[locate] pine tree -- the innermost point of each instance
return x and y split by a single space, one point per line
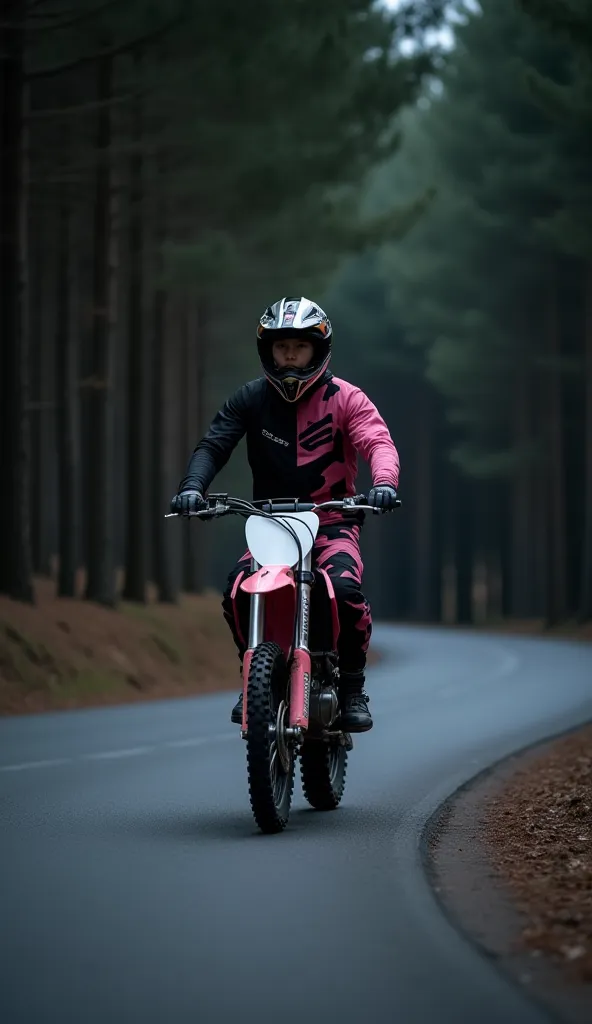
569 108
15 535
258 127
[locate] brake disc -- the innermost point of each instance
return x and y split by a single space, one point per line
280 735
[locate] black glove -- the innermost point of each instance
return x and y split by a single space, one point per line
188 501
383 496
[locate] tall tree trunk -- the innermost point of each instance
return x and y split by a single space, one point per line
41 232
165 396
45 418
15 534
389 540
505 563
164 454
464 535
484 524
585 610
67 396
426 564
136 563
101 584
173 453
556 604
522 562
446 510
193 568
540 537
438 529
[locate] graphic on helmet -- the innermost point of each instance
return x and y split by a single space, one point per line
294 317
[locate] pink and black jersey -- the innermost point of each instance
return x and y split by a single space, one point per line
307 450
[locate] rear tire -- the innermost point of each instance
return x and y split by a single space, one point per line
323 768
271 783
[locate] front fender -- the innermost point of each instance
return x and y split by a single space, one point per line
267 578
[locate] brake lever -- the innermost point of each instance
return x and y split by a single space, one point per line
192 515
361 508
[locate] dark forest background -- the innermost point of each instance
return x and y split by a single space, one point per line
424 172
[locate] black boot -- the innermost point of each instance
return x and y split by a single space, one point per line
237 711
355 716
236 714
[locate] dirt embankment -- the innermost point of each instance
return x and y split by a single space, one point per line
64 653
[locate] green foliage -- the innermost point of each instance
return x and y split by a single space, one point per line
505 145
271 122
260 126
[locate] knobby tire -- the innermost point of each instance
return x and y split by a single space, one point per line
323 768
270 793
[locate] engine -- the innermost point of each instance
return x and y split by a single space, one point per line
324 704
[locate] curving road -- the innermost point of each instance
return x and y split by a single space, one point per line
135 887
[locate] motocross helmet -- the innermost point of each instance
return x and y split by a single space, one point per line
294 316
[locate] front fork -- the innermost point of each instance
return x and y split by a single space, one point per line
256 625
300 664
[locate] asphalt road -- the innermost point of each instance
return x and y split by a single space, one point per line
135 886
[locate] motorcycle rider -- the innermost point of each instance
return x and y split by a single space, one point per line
304 428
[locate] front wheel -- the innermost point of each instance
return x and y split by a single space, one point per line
270 759
323 767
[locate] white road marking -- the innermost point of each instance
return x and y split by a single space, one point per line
106 755
198 741
35 764
114 755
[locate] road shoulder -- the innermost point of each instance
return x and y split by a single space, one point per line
510 859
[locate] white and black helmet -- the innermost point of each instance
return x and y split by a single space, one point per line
294 316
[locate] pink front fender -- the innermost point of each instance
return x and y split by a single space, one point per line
269 577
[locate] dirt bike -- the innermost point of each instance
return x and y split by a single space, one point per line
290 692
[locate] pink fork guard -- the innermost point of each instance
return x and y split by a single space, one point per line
300 689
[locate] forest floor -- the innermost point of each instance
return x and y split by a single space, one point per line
539 833
510 857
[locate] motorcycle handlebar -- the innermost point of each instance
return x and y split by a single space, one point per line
222 504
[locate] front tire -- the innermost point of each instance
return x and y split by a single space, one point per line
323 768
270 761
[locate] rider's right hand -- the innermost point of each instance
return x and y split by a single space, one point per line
188 501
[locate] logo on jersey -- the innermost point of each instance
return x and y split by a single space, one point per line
272 437
318 434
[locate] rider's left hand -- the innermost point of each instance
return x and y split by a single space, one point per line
383 496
